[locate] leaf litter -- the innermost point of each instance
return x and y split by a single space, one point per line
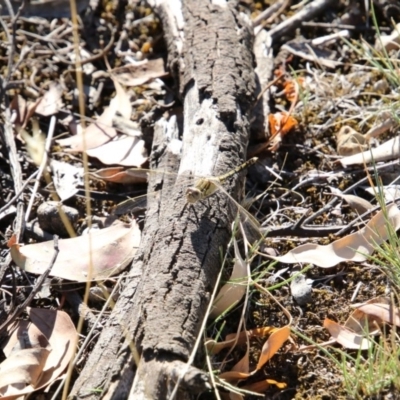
321 103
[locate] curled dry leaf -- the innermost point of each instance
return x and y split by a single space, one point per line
272 345
49 330
355 247
349 141
280 124
345 337
233 291
102 130
389 150
240 371
368 316
112 249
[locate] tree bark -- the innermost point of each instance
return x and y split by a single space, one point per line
161 316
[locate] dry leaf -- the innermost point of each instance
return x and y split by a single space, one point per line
138 74
345 337
273 344
233 291
112 250
66 178
358 204
390 193
51 103
349 141
21 372
279 125
389 42
240 371
102 130
370 315
214 347
35 143
387 151
355 247
262 386
23 110
56 327
126 150
121 175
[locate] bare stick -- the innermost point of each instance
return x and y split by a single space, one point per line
43 165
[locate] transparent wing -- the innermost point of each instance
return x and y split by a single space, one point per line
139 204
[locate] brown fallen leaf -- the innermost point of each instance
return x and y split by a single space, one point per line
23 110
102 131
370 315
20 373
355 247
214 347
125 150
54 331
233 291
357 203
51 103
272 345
345 337
112 250
121 175
240 371
136 75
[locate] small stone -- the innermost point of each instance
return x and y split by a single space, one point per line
49 217
301 289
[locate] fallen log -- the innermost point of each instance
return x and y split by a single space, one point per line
159 318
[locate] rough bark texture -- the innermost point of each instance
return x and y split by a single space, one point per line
161 316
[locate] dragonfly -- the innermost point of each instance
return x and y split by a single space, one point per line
205 187
202 189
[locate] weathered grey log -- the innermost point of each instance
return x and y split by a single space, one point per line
161 317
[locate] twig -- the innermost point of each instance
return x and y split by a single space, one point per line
307 13
16 196
90 59
43 165
20 308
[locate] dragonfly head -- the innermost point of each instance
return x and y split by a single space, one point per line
193 195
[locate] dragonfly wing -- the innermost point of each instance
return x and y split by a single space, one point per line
134 205
250 223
